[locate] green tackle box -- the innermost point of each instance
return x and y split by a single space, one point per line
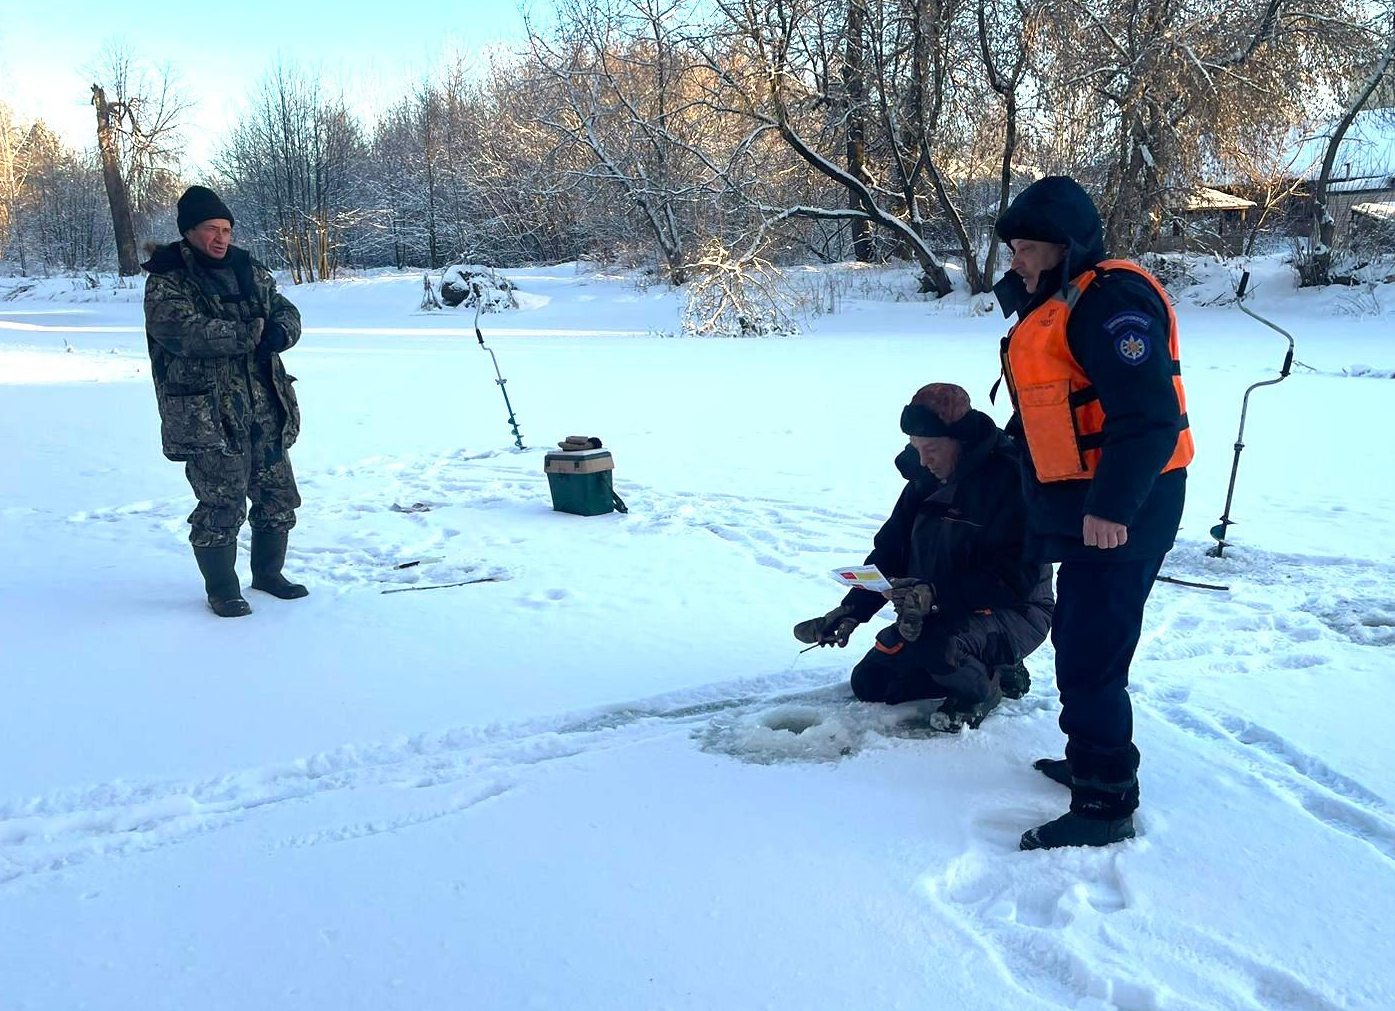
580 481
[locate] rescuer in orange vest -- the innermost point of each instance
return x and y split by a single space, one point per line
1093 369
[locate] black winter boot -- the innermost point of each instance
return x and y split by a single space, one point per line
1101 813
1055 769
219 568
1077 830
268 555
955 713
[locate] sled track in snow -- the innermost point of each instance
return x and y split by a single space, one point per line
805 716
68 827
1280 622
1337 801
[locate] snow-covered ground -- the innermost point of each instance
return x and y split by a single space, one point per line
608 779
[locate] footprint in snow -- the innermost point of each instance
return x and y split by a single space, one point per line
1037 914
546 598
1297 661
1367 620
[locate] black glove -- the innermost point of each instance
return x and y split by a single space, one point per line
913 601
273 340
834 628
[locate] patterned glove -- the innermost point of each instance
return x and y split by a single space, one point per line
913 601
833 629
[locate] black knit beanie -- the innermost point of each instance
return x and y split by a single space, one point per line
200 204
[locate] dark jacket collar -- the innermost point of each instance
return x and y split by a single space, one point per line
180 256
1054 209
985 440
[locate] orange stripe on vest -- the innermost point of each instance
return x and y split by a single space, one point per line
1042 375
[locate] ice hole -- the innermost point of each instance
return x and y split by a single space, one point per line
795 720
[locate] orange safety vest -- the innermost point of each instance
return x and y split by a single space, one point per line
1060 410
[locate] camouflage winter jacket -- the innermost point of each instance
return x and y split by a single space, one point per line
201 351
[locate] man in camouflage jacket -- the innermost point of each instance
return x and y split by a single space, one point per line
216 327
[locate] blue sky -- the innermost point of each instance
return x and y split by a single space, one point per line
372 48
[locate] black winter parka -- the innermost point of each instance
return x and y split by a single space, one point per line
963 536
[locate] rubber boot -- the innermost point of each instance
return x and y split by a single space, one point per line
219 568
268 555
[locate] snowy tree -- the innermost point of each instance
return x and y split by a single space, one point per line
109 114
140 115
1157 77
61 213
14 170
619 68
778 80
738 294
459 171
294 163
402 181
1317 265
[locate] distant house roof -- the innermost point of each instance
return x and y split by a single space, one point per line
1383 211
966 167
1203 199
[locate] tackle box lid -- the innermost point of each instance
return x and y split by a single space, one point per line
583 461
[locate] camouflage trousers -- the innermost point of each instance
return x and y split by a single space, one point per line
224 484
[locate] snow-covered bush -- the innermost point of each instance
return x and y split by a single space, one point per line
468 283
1361 300
738 296
1177 271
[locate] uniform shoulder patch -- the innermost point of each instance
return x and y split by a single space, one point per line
1128 332
1133 347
